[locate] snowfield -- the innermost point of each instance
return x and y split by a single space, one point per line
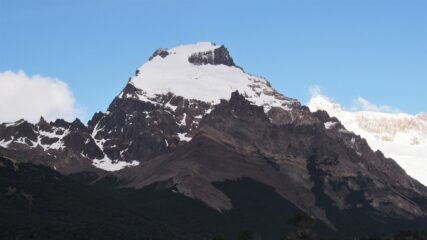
400 136
209 83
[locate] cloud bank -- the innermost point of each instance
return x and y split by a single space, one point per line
359 104
30 97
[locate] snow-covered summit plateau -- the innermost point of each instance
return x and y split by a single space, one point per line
202 71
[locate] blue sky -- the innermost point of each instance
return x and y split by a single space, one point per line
376 49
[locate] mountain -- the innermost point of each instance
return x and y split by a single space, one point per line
400 136
195 143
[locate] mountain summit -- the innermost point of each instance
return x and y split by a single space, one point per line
203 72
218 145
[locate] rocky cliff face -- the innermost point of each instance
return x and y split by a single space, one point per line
215 57
330 174
190 119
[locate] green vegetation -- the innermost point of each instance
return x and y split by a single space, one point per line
400 236
246 235
303 225
218 237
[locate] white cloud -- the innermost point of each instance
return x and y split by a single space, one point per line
361 104
315 90
31 97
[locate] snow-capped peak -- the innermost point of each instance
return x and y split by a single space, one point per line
400 136
185 51
319 102
202 71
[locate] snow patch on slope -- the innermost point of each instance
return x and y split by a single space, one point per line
55 136
4 143
330 125
184 137
58 133
106 163
109 165
400 136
